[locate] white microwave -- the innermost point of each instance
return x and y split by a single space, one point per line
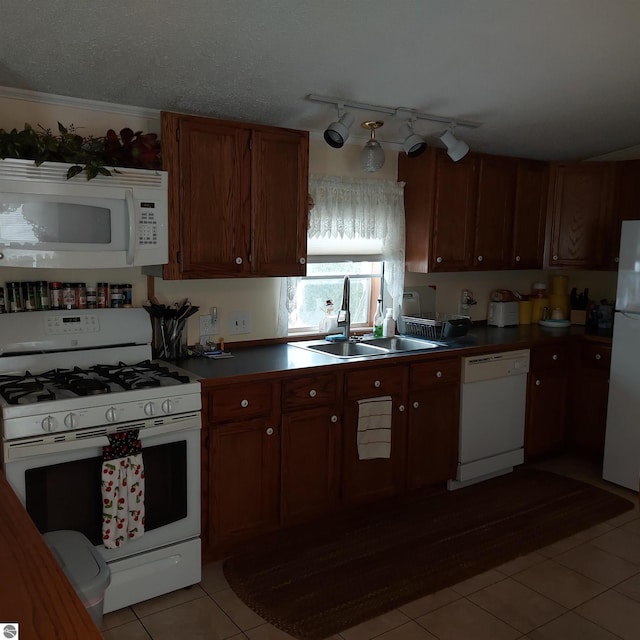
47 221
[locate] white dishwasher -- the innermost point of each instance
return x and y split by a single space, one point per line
492 415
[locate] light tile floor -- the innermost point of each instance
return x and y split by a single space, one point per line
586 587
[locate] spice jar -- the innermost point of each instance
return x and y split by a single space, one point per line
2 307
42 295
55 295
92 298
14 297
539 290
68 295
102 295
81 295
115 295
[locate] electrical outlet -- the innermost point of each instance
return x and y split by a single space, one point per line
240 322
208 327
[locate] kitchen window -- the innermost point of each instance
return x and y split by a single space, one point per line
356 228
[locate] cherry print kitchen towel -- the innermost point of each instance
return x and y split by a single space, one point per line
122 489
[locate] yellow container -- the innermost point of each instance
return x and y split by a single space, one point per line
525 310
537 309
560 285
560 301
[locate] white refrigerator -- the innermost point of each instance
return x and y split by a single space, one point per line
621 463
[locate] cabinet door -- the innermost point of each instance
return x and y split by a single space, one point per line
432 451
454 205
243 480
310 463
532 184
494 213
580 214
208 196
280 166
627 202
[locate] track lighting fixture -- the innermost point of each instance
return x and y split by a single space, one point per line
413 144
372 154
456 149
336 133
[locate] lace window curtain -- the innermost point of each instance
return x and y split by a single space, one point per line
356 208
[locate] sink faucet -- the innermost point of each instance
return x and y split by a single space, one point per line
344 315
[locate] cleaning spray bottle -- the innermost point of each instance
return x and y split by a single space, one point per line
378 320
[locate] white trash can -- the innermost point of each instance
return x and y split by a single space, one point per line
84 566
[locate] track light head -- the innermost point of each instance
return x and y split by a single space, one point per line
336 134
413 144
456 149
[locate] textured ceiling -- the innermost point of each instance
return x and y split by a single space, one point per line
549 79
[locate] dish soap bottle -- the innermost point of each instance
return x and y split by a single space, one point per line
378 320
389 325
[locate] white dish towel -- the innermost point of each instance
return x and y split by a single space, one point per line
374 427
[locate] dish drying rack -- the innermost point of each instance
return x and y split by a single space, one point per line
432 324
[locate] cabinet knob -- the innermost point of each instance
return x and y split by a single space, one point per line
244 403
598 356
480 258
517 258
239 260
438 374
313 393
401 407
377 383
1 256
554 356
269 431
416 405
555 257
616 259
438 259
302 261
537 383
334 419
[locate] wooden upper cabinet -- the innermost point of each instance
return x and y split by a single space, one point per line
532 183
494 213
237 198
440 204
579 221
626 203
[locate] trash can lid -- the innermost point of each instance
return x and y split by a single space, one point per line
83 565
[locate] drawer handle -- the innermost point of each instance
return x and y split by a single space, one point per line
401 407
238 260
377 383
537 383
313 393
334 419
269 431
480 258
517 258
302 261
438 259
598 356
438 374
554 356
416 405
244 404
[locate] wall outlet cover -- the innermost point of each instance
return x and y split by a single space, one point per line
207 326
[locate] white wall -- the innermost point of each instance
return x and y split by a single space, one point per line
258 296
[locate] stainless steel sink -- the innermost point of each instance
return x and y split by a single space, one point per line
366 348
401 343
344 349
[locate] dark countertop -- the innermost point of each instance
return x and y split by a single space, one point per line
278 358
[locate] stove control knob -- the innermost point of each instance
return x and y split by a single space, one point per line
150 409
111 414
49 424
71 421
167 406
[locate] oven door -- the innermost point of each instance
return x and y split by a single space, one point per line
60 484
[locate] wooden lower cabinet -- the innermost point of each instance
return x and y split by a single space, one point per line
433 422
547 399
589 398
364 480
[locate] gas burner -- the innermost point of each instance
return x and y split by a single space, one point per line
24 389
142 375
80 382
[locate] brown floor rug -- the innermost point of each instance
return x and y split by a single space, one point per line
315 580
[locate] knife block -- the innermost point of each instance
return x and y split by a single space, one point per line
578 316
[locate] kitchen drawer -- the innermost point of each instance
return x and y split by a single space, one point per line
550 356
310 391
596 356
427 374
240 402
376 381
